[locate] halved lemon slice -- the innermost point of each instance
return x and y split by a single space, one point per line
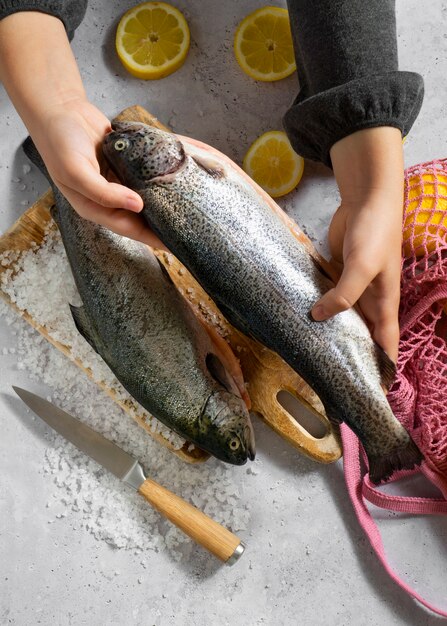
273 164
152 40
263 44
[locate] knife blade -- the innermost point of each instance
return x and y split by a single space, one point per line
204 530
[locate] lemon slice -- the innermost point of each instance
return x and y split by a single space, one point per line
263 44
273 164
152 40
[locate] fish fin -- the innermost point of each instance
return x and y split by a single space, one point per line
217 370
213 168
321 269
83 325
387 368
164 271
332 415
228 359
404 456
234 319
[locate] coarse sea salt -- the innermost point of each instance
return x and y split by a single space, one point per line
89 496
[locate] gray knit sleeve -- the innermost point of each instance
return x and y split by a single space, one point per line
346 56
70 12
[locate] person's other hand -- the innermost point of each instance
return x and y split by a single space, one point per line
366 232
69 138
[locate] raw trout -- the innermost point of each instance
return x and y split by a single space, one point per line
137 321
219 224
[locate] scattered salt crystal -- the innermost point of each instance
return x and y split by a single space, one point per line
22 187
16 180
181 271
26 169
5 351
140 580
24 202
252 470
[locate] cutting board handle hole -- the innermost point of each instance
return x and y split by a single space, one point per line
301 414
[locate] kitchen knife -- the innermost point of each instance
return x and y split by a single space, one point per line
204 530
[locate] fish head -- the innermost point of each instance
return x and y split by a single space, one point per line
226 428
139 153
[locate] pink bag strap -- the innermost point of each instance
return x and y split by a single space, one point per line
355 485
403 504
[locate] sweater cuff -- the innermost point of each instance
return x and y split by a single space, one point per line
317 122
70 12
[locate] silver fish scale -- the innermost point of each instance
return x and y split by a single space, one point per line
266 283
97 257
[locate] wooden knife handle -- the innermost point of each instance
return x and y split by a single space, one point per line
204 530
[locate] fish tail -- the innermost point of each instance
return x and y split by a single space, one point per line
404 456
29 148
33 154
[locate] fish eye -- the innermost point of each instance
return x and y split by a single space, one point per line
121 144
234 443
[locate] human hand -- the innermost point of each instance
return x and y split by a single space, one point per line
68 137
366 232
43 81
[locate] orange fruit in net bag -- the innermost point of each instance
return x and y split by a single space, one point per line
425 219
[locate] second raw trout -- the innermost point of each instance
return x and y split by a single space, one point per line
135 318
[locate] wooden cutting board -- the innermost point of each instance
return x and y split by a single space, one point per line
265 372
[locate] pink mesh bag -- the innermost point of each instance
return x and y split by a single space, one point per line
418 396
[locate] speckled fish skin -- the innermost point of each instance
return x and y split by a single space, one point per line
264 281
145 331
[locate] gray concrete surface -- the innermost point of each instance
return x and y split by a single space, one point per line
307 561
